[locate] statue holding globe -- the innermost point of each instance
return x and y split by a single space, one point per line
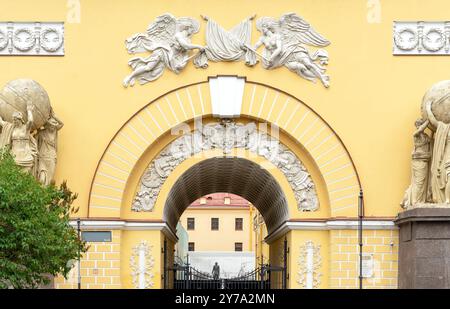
430 179
28 127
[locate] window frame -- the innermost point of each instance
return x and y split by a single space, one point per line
236 220
218 224
188 228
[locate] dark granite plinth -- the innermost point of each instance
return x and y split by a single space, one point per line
424 252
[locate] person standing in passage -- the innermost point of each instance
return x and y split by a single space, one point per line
216 271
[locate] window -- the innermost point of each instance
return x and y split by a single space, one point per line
191 246
97 236
227 201
238 224
191 223
214 224
237 246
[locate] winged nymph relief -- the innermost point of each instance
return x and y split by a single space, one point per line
169 40
284 41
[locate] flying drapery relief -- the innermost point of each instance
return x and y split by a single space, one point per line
430 166
168 40
223 45
226 136
29 128
284 41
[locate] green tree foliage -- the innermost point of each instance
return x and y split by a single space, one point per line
36 239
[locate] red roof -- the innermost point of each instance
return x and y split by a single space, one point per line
218 200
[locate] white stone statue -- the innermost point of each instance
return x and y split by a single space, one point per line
29 128
16 136
168 40
440 164
284 41
47 140
418 190
430 179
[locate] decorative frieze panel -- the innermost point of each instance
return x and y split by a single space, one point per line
226 136
32 38
309 264
141 264
421 38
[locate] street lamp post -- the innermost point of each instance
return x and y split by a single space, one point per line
79 253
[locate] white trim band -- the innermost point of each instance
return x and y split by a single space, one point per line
330 225
124 225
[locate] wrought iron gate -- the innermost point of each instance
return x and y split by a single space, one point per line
183 276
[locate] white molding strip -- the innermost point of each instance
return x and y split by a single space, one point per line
86 225
329 225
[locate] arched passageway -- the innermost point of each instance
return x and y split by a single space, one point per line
241 177
234 175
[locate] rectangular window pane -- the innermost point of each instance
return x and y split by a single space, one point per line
215 224
96 236
238 224
190 223
191 246
237 246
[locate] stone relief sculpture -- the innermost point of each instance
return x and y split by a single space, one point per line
421 38
226 136
223 45
430 179
32 38
29 128
284 40
309 263
141 264
168 40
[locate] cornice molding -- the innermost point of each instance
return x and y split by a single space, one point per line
86 225
327 225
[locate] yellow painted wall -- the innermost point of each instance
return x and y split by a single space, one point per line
100 266
372 102
222 240
383 244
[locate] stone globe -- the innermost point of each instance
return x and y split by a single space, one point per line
439 95
14 97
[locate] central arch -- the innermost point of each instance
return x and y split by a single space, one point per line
140 142
233 175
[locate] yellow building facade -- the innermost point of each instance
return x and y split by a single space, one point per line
205 238
354 135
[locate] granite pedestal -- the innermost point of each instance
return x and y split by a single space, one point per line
424 248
